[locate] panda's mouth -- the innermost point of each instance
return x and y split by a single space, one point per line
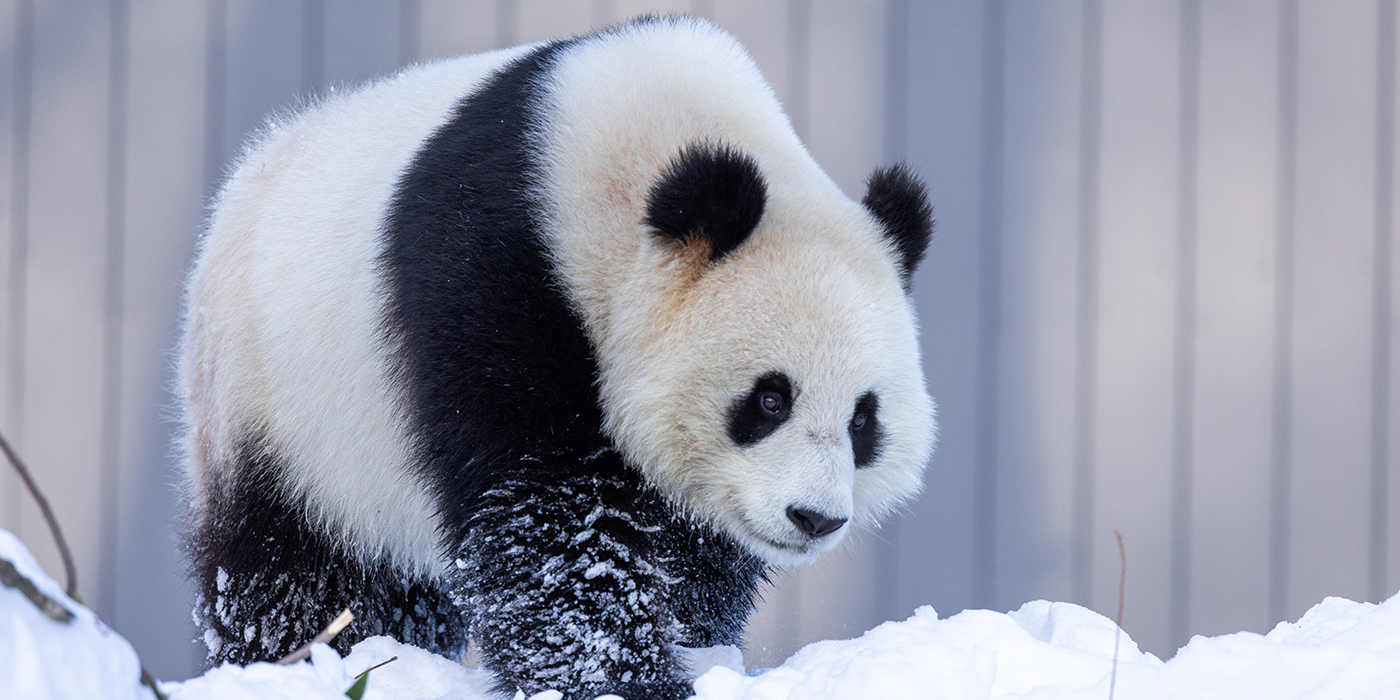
797 550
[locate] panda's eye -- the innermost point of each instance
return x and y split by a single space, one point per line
759 412
865 429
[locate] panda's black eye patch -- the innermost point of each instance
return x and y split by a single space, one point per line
757 414
866 433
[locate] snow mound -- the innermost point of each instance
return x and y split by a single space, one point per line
45 658
1340 649
1044 651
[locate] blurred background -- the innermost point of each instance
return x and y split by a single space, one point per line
1159 300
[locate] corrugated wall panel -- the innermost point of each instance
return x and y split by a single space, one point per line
13 181
1332 325
1137 272
1034 521
1134 202
64 282
1234 331
945 49
165 171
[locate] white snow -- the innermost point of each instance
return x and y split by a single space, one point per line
1044 651
41 658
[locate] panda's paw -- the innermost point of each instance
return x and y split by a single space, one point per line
563 591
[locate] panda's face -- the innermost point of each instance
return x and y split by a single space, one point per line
797 406
769 382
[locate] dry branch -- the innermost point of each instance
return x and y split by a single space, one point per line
326 635
70 572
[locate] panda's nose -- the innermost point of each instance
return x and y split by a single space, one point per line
814 523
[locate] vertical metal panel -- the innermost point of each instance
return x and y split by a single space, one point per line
113 288
622 10
1285 252
313 46
1039 259
363 40
1084 452
1184 342
551 19
1332 332
1136 302
1378 555
797 101
761 27
1392 524
166 128
263 69
451 28
63 324
1234 317
410 31
945 49
15 70
985 434
215 93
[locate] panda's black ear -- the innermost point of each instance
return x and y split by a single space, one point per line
710 193
899 200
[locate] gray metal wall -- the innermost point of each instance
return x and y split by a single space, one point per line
1159 299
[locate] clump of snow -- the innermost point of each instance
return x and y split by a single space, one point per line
42 658
1044 651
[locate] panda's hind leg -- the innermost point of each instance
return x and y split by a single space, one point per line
268 582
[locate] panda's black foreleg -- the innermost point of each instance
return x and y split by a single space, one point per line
564 589
717 583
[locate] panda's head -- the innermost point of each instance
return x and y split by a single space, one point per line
761 363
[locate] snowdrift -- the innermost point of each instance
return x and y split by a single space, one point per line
1060 651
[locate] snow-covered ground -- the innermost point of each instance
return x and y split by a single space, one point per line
1339 649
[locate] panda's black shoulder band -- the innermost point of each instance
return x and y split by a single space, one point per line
709 193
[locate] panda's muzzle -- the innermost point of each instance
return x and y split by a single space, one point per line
814 523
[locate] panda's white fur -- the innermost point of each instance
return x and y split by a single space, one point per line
285 322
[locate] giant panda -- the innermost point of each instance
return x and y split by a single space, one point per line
554 350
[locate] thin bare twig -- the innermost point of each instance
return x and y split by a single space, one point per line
326 635
385 662
70 572
150 682
1118 630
